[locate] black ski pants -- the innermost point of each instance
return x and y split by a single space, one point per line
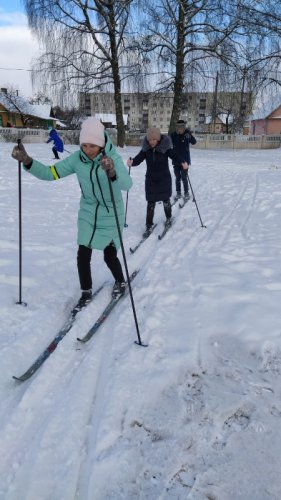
181 175
84 255
56 155
150 211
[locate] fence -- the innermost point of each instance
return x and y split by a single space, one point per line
204 141
30 135
227 141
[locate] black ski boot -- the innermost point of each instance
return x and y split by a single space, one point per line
148 230
118 289
84 300
168 222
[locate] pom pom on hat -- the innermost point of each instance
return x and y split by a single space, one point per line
92 132
153 133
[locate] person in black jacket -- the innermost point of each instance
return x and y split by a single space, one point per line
156 150
181 139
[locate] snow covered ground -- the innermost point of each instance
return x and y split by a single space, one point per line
197 414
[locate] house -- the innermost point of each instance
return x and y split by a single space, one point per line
15 111
220 125
266 121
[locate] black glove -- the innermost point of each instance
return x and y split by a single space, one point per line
108 165
19 153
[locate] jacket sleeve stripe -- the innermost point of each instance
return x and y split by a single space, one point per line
54 172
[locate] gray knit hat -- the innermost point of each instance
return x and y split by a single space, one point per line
153 133
181 124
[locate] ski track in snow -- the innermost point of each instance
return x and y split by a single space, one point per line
179 419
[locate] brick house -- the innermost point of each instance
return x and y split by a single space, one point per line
267 123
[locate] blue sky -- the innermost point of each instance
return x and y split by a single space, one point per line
18 47
12 5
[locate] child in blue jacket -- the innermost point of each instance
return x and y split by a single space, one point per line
58 143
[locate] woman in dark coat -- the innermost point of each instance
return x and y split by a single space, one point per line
156 150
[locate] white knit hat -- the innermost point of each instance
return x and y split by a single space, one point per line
92 132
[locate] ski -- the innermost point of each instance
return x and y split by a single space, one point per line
104 315
175 200
166 228
185 200
145 235
52 346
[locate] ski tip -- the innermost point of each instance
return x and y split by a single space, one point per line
82 339
19 379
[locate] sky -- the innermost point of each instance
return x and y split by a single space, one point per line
194 415
18 47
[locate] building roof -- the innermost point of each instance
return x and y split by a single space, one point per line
264 109
110 118
18 104
223 117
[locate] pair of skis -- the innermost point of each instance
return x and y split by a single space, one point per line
67 327
167 226
147 233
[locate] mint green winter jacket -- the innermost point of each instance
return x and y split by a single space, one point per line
96 220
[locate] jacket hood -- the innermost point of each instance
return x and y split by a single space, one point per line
162 146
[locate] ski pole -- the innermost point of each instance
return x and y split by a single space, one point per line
139 342
20 234
125 224
194 200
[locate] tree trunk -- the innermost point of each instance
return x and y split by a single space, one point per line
121 135
179 76
116 82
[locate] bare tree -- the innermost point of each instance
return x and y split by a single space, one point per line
189 39
186 36
85 45
15 104
40 98
71 117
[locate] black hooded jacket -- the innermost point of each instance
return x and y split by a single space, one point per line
158 181
181 144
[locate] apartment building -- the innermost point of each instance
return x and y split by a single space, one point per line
154 109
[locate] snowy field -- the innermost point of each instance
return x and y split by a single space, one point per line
197 414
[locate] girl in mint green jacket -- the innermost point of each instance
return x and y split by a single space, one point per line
96 160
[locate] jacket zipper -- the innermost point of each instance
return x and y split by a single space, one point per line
98 203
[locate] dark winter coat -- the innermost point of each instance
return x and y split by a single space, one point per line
58 144
181 144
158 181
